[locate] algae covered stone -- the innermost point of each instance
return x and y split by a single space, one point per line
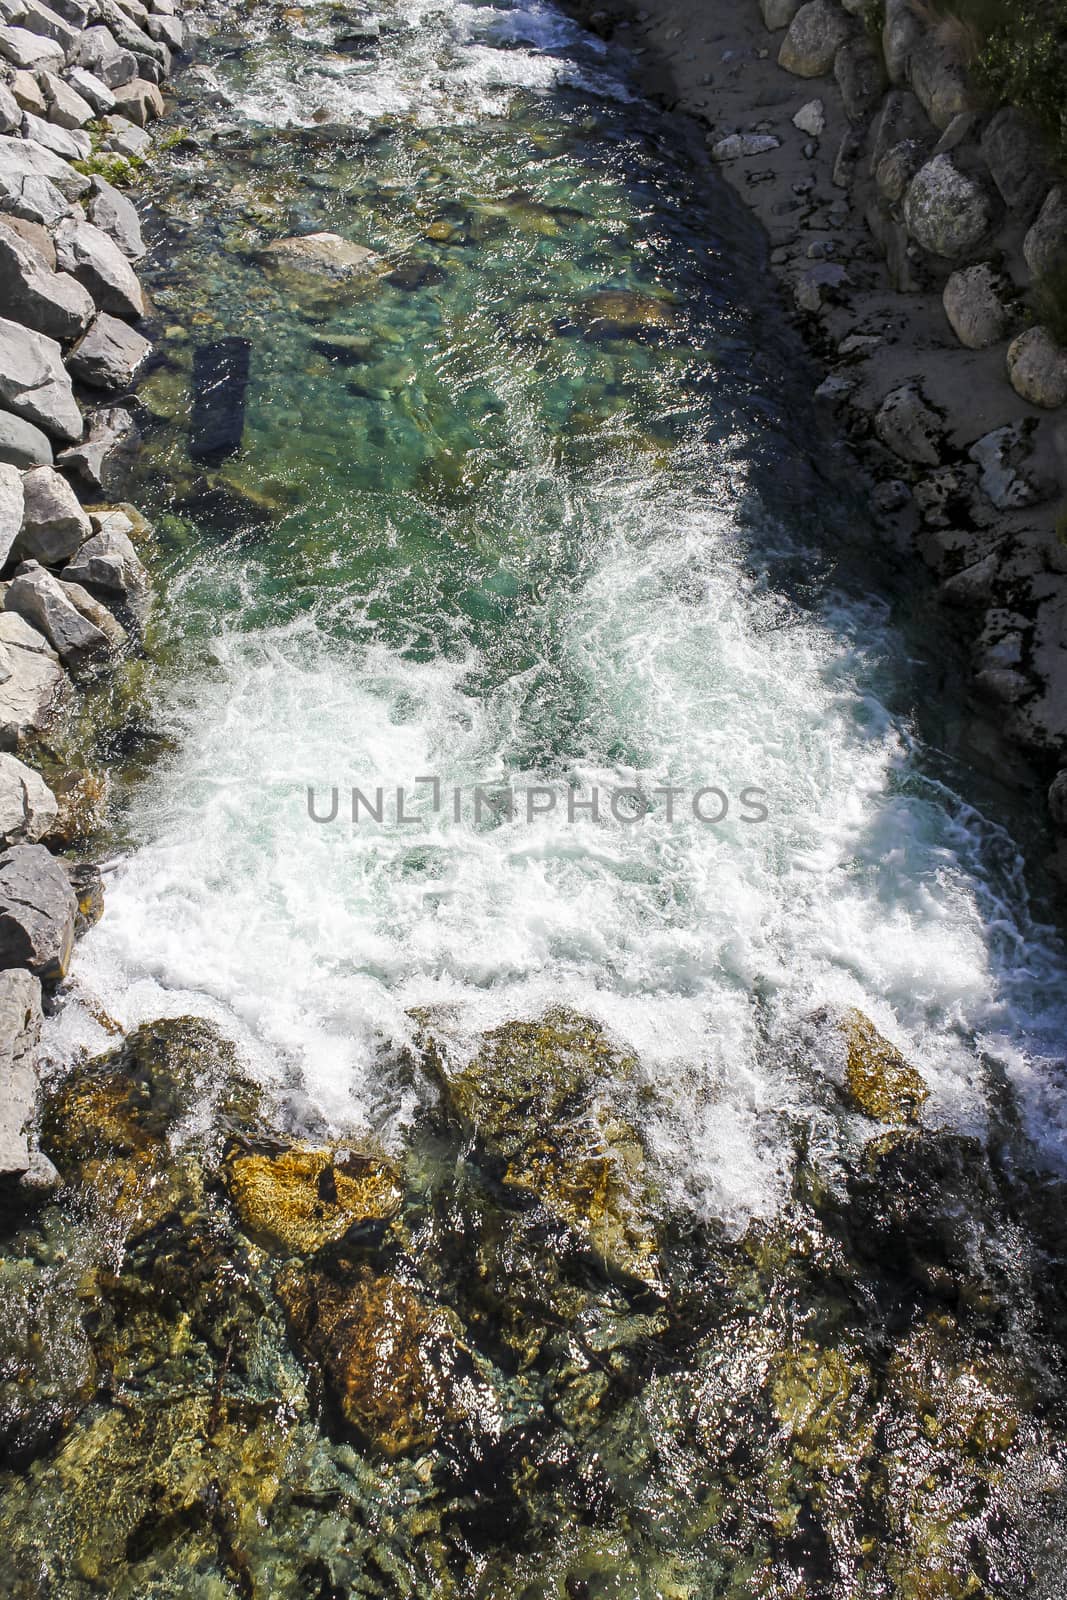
879 1081
538 1095
305 1197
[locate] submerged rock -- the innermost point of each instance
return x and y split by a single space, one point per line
320 254
879 1081
305 1197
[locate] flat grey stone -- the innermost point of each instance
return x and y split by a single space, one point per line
53 303
116 215
109 355
23 158
29 50
20 1031
99 52
71 146
28 808
37 912
34 383
101 461
54 525
33 685
21 444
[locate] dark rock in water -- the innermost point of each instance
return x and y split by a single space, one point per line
347 349
220 383
418 274
103 460
87 882
47 1371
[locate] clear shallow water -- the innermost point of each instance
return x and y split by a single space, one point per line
522 534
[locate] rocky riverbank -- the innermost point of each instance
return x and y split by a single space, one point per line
919 232
79 88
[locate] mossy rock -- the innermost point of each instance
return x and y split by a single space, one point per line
47 1369
537 1096
396 1366
878 1080
306 1197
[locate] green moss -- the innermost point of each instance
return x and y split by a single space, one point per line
122 171
1020 57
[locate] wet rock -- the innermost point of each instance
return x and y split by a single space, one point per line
24 159
397 1368
320 254
1037 367
948 212
220 383
108 566
879 1082
104 459
33 382
29 50
110 355
861 77
37 911
96 261
125 138
624 314
20 1029
32 683
977 307
12 502
99 53
87 881
532 1095
815 35
140 101
60 141
49 302
1045 245
47 1370
92 89
909 427
938 74
21 444
116 215
305 1197
28 808
54 524
35 595
1007 473
737 145
1015 160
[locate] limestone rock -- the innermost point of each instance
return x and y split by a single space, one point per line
49 302
1037 367
737 145
116 215
99 53
96 261
125 138
21 159
1045 245
43 601
65 106
325 254
29 50
28 197
815 35
34 383
1015 160
140 101
37 911
909 427
103 460
20 1030
48 23
28 808
948 212
303 1198
811 118
1007 474
27 93
21 444
110 355
32 683
12 504
54 524
975 301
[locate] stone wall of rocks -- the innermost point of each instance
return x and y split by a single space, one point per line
912 225
79 85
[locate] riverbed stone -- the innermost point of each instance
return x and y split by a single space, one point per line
908 426
21 159
1045 245
977 307
54 525
35 595
98 51
1037 367
30 50
32 682
109 355
21 444
96 261
140 101
12 505
53 303
28 808
303 1198
815 35
116 215
947 211
34 383
321 254
37 911
20 1031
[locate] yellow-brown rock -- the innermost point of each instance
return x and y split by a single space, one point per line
879 1081
306 1197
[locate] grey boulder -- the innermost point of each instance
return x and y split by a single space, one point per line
108 566
815 35
102 460
20 1031
49 302
32 682
1037 367
12 504
1045 245
37 912
42 601
66 107
110 355
947 211
28 808
96 261
94 611
99 52
21 444
1015 160
25 158
92 89
30 50
937 73
124 138
139 100
71 146
975 301
116 215
41 19
10 111
54 525
909 427
34 383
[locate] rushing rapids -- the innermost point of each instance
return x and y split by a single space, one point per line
657 1199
